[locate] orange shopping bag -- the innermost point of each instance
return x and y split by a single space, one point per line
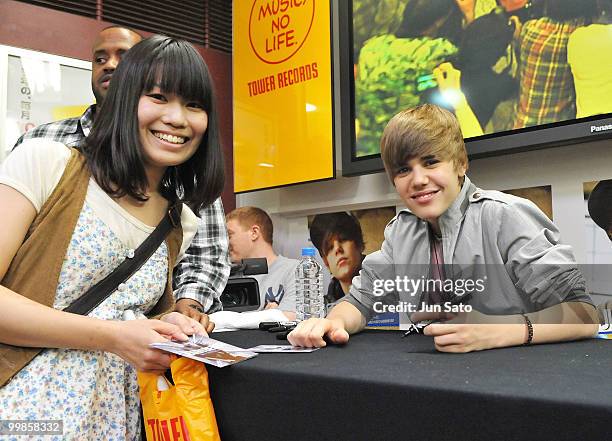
182 412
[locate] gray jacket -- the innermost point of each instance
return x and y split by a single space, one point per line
508 248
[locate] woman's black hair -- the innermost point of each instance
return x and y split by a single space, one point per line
113 148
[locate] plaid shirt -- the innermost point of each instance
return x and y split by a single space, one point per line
202 273
546 92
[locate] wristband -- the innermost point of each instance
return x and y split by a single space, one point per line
529 331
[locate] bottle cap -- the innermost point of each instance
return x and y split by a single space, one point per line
308 251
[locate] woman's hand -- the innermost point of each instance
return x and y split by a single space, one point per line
186 324
130 340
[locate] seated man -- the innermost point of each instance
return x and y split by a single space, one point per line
490 262
339 240
250 235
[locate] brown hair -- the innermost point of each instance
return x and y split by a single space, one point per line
326 228
421 131
249 216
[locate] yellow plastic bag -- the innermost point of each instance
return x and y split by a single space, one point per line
183 411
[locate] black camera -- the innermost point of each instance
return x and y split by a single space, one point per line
242 293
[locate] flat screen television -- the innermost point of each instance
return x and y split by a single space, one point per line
520 75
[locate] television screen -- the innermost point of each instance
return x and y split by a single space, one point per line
517 74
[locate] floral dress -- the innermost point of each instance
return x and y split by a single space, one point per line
93 393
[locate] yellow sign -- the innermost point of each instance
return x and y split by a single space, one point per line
63 112
283 111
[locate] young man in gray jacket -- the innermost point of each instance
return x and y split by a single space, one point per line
476 269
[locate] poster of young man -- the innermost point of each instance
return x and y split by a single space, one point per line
343 239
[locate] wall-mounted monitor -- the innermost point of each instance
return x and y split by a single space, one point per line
519 75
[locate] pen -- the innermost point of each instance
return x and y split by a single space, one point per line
267 325
281 328
417 328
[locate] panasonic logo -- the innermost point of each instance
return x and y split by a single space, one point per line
601 128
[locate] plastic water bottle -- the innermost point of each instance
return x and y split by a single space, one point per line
309 287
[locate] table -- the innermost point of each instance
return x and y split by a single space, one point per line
381 386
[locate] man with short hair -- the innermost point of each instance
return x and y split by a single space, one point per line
199 278
250 235
449 221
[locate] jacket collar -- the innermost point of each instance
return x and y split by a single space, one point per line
456 211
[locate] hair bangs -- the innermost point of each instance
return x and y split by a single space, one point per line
178 69
425 130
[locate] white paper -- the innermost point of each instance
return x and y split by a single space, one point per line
206 350
231 320
279 348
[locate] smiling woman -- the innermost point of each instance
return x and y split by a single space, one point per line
167 84
75 217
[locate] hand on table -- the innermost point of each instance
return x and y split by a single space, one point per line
310 333
474 331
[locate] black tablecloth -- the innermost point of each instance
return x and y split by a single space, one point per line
381 386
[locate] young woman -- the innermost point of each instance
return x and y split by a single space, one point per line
70 219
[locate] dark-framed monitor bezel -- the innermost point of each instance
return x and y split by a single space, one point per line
500 143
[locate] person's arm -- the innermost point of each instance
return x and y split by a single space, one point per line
474 331
544 273
27 323
344 319
31 324
449 82
201 275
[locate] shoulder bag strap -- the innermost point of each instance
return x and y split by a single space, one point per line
101 290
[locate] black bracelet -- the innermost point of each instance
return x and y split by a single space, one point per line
529 330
